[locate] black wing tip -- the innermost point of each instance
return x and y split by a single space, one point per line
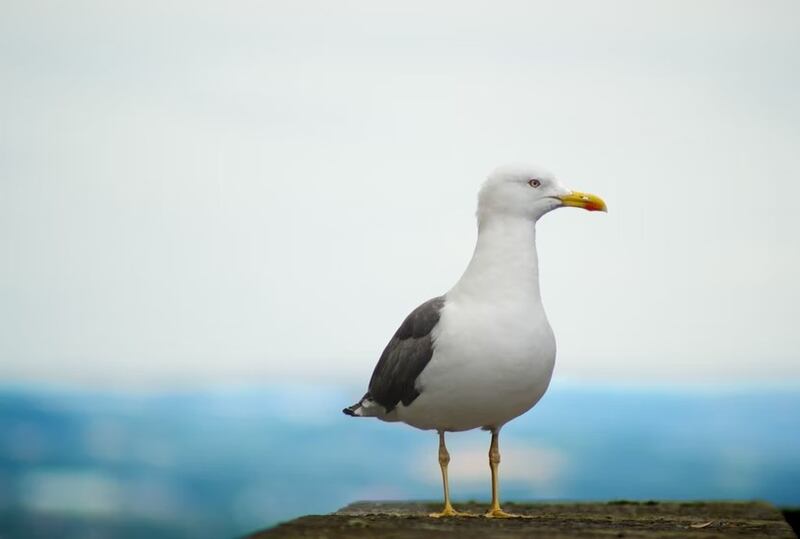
351 410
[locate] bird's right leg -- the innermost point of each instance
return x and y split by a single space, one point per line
494 464
444 460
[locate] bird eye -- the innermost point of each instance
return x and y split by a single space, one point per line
535 183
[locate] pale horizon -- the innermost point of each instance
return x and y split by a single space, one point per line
260 193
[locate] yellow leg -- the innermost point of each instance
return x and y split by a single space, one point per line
444 460
494 464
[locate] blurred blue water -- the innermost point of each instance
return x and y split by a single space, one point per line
221 462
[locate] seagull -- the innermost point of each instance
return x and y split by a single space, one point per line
483 353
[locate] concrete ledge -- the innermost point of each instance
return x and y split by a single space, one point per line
401 520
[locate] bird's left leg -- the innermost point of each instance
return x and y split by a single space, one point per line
444 460
494 465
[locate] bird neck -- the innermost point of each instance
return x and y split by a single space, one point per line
504 265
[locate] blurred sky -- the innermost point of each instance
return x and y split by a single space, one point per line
261 191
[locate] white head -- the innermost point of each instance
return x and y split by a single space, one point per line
529 192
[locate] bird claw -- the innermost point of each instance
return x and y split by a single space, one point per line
450 512
499 513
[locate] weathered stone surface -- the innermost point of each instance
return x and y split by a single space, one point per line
406 520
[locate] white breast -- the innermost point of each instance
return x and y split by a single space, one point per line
494 350
490 365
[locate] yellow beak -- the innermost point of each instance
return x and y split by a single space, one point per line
586 201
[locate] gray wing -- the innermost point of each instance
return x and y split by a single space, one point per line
405 357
